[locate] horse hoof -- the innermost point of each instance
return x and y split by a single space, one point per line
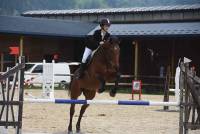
78 132
112 94
70 132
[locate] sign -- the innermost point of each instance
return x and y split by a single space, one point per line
136 87
14 50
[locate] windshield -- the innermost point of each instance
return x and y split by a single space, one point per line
28 66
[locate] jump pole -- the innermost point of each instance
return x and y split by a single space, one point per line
101 102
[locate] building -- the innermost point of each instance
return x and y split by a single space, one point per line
160 33
40 39
152 38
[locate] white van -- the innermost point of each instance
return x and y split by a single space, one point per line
33 74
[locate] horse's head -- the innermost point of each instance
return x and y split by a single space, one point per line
112 49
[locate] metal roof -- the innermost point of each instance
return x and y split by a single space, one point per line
181 29
44 27
62 28
113 10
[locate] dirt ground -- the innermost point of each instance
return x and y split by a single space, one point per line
102 119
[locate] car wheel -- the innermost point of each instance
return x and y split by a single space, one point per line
63 85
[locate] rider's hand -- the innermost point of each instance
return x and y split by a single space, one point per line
101 43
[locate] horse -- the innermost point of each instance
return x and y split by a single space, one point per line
105 65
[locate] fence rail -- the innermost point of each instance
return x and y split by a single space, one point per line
11 97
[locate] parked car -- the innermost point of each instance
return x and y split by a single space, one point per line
62 75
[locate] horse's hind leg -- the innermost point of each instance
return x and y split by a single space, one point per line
75 93
72 110
89 95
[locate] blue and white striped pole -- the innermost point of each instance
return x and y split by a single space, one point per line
102 102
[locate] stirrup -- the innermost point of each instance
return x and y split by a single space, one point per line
101 90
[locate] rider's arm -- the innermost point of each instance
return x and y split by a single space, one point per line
96 37
107 36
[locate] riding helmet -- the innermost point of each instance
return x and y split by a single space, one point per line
105 21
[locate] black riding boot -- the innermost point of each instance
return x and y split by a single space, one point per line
102 85
81 70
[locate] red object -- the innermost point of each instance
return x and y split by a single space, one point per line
14 50
136 87
55 56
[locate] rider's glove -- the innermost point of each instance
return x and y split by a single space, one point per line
101 43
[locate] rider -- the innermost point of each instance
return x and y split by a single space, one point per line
98 38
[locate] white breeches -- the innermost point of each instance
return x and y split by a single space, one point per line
86 53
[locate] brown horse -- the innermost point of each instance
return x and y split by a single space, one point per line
104 64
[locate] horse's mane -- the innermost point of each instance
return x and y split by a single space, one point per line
102 52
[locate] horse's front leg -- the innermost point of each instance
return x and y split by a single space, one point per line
83 108
102 84
72 110
113 91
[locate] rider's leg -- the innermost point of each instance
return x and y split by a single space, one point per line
86 53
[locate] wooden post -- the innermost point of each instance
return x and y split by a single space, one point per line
166 88
15 59
21 94
186 98
172 59
2 61
21 47
135 43
181 114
